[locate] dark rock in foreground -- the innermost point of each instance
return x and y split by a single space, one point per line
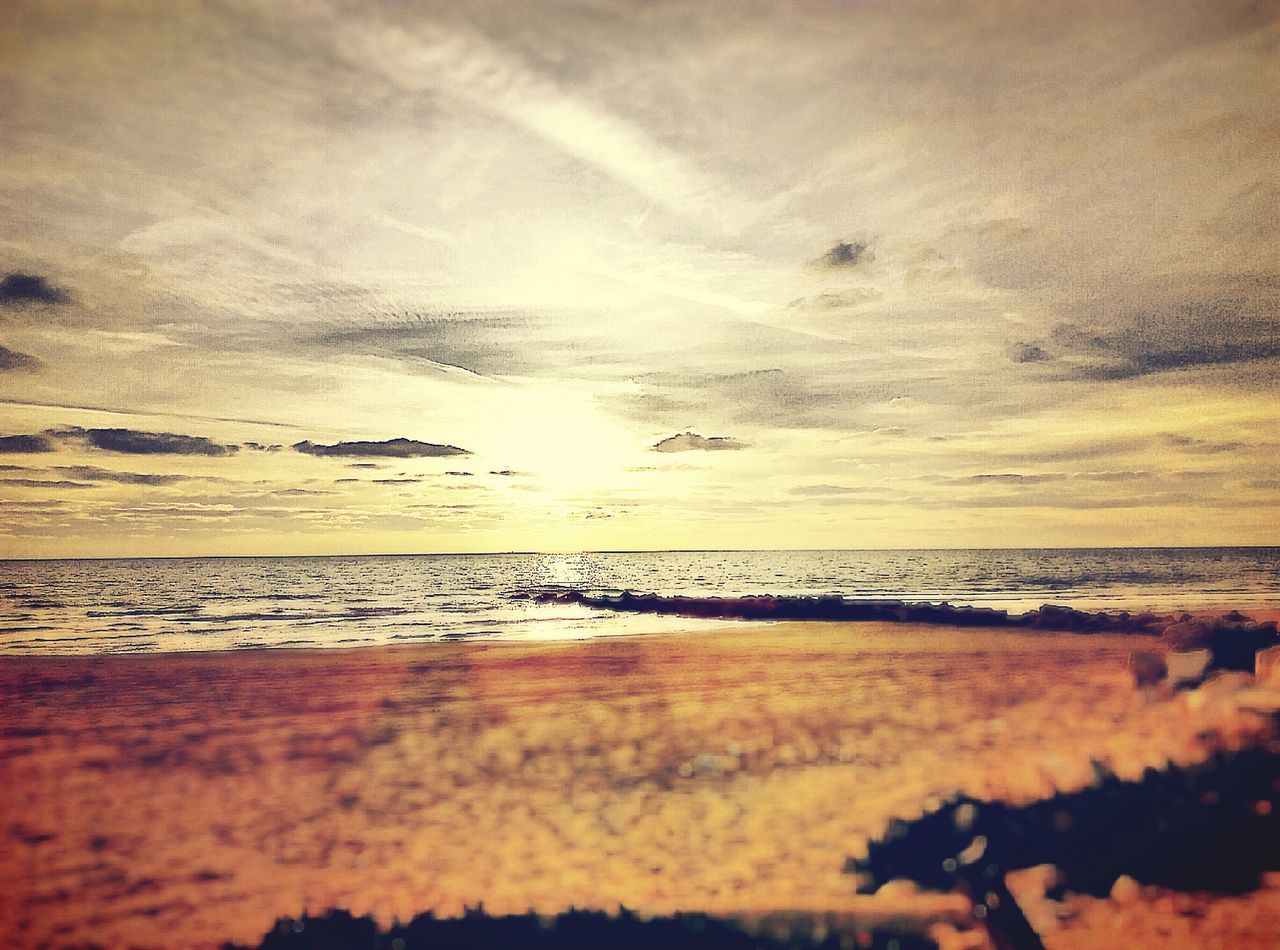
1232 639
1146 667
574 930
1213 827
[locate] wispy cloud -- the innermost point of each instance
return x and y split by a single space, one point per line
91 473
692 442
466 64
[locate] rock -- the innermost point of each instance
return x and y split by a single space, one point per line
1259 700
1226 682
1233 639
1266 666
1187 666
1189 634
1147 667
1126 890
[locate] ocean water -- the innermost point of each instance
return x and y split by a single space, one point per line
165 605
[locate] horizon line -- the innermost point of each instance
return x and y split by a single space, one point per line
526 553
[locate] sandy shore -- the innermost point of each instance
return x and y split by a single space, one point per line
184 799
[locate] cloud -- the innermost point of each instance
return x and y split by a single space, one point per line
135 442
821 396
91 473
474 342
40 483
389 448
19 289
820 490
1200 446
13 360
24 443
842 300
1013 478
468 65
1181 337
845 254
1028 353
692 442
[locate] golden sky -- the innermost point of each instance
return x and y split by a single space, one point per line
636 275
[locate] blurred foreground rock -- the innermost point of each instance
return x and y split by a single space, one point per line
1188 667
1267 667
574 930
1213 827
1147 667
1232 639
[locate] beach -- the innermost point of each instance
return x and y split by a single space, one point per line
192 799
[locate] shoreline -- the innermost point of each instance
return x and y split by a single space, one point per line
697 626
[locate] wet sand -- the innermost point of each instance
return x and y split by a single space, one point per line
190 799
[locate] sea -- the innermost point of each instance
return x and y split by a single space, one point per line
193 604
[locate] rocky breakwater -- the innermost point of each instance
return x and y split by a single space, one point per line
769 607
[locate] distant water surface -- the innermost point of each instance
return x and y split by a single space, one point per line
163 605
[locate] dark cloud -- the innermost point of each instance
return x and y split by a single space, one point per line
397 481
91 473
13 360
40 483
19 289
389 448
24 443
260 447
692 442
135 442
1188 336
1028 353
845 254
509 473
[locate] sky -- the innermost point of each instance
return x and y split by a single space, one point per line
317 276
